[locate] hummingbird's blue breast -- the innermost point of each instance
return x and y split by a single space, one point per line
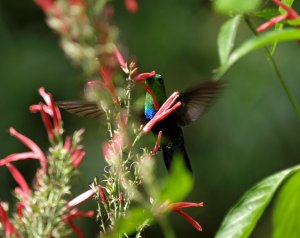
149 112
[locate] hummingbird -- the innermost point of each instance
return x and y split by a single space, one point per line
194 103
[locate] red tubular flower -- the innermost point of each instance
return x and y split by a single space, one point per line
141 78
49 6
166 109
179 205
177 208
74 213
157 144
67 143
50 109
290 14
102 195
131 6
80 198
20 207
8 226
75 228
108 83
35 153
77 157
46 5
271 22
189 219
144 76
25 191
120 58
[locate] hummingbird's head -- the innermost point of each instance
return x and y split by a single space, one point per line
155 91
155 83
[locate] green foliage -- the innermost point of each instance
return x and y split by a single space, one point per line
227 36
242 218
286 215
236 6
257 43
267 13
177 185
129 224
294 22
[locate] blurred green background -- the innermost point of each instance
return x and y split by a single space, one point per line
250 132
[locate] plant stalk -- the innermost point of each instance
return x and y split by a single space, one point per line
283 83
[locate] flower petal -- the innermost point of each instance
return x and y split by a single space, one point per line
31 145
19 178
75 228
47 123
189 219
67 143
80 198
157 144
74 213
102 194
292 14
131 6
271 22
9 228
144 76
17 157
180 205
77 157
119 57
163 112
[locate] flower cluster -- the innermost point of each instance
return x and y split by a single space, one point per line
129 180
52 180
86 30
128 170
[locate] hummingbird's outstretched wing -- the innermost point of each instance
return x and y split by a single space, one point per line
196 100
81 108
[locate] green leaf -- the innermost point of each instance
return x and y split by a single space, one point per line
294 22
267 13
129 224
236 6
258 42
286 215
226 37
178 184
242 218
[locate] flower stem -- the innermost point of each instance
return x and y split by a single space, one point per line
166 227
128 96
283 83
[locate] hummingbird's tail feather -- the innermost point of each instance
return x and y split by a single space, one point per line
170 152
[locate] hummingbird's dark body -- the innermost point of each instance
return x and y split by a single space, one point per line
194 102
172 143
